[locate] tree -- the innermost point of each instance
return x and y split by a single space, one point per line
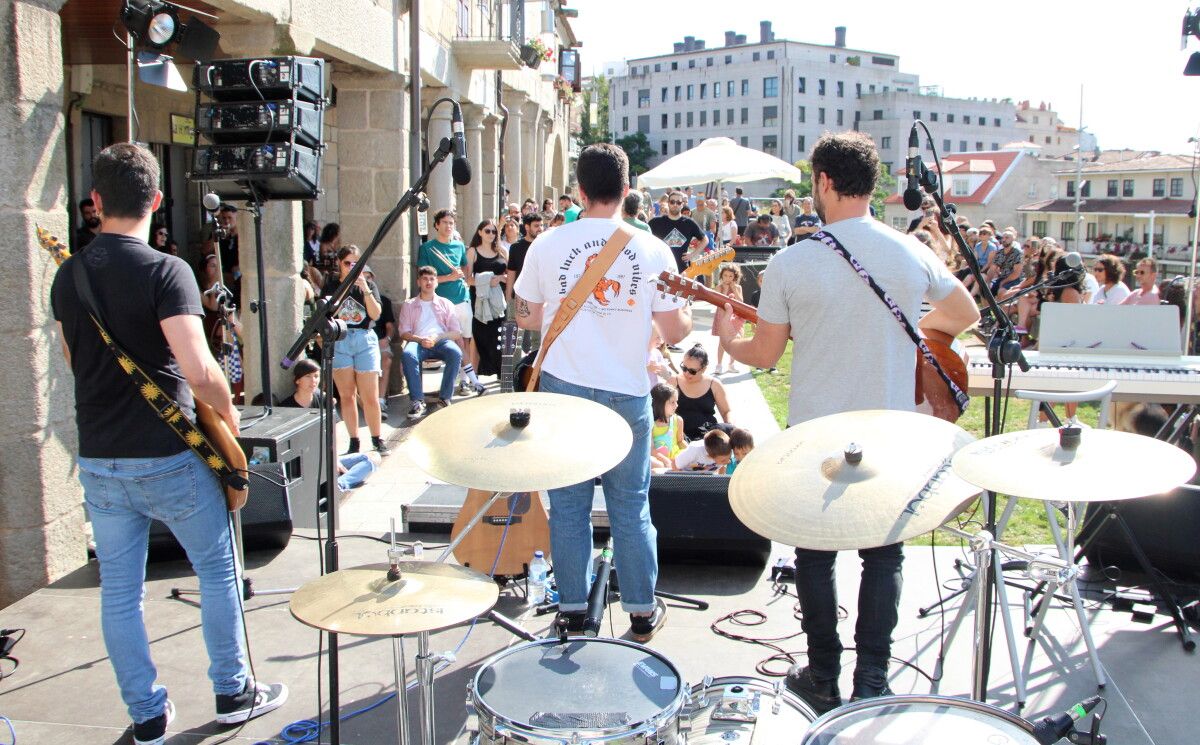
595 93
802 189
639 150
883 188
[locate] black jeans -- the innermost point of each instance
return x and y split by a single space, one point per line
878 604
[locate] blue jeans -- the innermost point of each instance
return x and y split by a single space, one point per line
878 610
122 495
358 467
358 349
414 354
627 496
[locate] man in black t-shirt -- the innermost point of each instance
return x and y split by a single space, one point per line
90 228
677 231
132 465
531 227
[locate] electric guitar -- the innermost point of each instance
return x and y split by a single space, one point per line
210 424
931 390
707 263
523 514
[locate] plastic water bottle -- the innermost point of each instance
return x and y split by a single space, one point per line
418 551
538 570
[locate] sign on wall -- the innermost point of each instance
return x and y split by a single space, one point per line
183 130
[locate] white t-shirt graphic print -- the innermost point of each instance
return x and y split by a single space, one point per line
605 345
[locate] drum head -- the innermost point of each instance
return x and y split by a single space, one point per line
919 720
583 684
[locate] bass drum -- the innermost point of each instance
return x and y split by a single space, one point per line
919 720
745 711
586 690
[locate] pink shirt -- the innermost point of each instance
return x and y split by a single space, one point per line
443 310
1137 297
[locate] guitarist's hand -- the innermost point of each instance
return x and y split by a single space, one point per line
231 416
727 325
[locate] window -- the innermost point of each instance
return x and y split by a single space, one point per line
703 91
1177 187
729 116
770 144
800 143
858 90
1071 188
691 91
729 59
664 146
624 124
995 145
1032 194
678 91
961 187
658 68
871 88
745 87
624 98
962 146
644 98
1039 227
916 115
729 89
745 115
833 59
1127 187
1086 189
689 143
841 89
1112 187
664 94
821 87
643 124
1047 139
716 116
899 223
946 146
675 66
800 85
888 61
802 115
821 115
664 122
704 118
884 142
770 54
1066 231
978 146
877 114
996 122
716 90
754 57
1091 231
770 116
677 147
841 117
1158 187
933 116
771 87
678 120
691 64
689 118
950 118
744 141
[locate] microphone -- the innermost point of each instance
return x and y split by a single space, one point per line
912 164
461 167
1051 729
211 202
1073 271
598 596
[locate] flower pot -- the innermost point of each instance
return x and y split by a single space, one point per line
530 56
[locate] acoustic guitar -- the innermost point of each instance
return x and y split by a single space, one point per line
931 391
522 514
210 424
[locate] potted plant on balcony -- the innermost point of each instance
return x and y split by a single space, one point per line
533 52
564 88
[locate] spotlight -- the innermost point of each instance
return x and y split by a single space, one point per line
156 24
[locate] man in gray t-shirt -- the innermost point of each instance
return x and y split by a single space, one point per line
741 210
849 353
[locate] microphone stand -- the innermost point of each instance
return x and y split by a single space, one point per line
1003 350
325 324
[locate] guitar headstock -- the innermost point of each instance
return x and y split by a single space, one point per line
508 338
680 286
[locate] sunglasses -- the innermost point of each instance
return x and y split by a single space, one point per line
160 232
690 371
348 263
488 231
1139 271
674 201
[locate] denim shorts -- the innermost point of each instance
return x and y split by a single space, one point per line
360 350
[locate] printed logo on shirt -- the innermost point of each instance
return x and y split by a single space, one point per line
675 239
624 278
352 311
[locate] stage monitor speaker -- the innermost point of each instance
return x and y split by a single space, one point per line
290 437
695 523
1165 526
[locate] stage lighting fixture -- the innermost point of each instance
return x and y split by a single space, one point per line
156 24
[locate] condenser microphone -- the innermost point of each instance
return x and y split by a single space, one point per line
912 164
461 167
1051 729
1072 271
211 202
598 596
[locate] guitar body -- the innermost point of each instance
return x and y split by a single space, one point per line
222 439
522 513
932 395
528 531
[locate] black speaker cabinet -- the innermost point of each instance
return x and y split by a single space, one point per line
1165 526
290 437
695 523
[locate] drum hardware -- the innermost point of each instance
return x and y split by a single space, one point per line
918 719
742 709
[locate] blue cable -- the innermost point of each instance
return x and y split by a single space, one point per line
11 730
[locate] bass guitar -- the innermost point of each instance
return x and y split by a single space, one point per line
504 540
215 430
932 394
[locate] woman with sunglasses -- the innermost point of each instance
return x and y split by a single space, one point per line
486 257
1109 271
701 396
160 240
510 233
356 363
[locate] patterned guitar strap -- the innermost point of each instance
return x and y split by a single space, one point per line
166 407
960 397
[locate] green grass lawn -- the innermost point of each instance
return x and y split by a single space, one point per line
1028 523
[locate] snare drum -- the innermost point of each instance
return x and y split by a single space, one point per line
587 690
745 711
919 720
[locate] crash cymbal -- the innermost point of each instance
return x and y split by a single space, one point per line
474 444
364 602
803 488
1106 465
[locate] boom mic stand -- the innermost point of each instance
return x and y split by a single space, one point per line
1003 350
323 322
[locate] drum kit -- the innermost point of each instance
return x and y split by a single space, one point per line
846 481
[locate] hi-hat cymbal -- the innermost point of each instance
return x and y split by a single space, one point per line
802 488
473 444
1106 465
364 602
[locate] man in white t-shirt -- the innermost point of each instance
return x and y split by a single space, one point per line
428 326
601 356
856 356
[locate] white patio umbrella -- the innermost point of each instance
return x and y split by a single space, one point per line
718 159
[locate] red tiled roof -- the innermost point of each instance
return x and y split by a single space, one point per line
995 164
1111 206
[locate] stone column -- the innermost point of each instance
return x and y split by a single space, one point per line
530 187
513 160
540 163
41 519
490 159
472 207
441 189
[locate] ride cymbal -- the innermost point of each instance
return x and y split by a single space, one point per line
474 444
1105 466
364 602
859 479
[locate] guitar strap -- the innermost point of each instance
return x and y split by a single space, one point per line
960 397
578 296
165 406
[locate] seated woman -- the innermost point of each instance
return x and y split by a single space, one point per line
306 376
701 396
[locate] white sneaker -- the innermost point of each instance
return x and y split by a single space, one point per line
720 370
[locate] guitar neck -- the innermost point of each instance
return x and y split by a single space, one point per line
692 290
